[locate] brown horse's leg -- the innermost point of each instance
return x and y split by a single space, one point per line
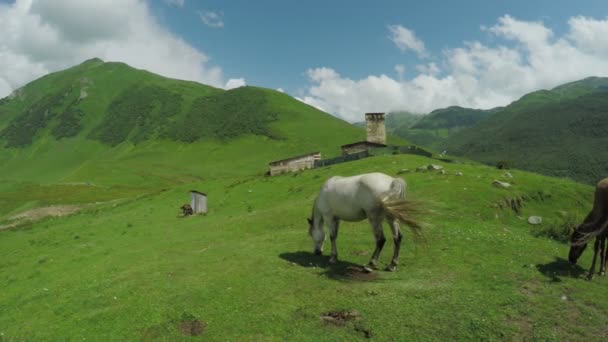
376 223
603 256
333 235
397 236
596 248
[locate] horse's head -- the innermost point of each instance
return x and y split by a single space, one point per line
317 234
578 244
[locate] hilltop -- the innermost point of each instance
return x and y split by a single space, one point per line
560 132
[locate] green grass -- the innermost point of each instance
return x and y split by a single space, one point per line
132 269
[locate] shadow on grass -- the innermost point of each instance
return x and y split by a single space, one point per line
342 270
560 268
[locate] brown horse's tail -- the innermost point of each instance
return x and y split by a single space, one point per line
407 212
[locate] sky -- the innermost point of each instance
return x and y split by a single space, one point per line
346 57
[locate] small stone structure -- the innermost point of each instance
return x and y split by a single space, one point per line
303 162
359 146
376 130
198 202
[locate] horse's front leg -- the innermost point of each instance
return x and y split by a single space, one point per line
596 248
397 236
333 235
380 240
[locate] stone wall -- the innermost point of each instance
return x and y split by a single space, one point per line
294 164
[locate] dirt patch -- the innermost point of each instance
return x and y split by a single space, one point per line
40 213
340 318
193 327
360 253
360 274
37 214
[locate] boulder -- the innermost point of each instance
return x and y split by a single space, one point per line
442 172
458 173
507 175
502 185
433 167
535 220
421 169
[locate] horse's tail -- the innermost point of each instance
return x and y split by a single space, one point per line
406 211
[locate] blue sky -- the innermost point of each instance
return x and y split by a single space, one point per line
273 43
344 57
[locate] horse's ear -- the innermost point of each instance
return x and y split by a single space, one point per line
309 221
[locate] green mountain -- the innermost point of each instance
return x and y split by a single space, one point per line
430 130
560 132
97 126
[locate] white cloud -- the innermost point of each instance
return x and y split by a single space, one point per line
39 37
474 74
176 3
235 83
213 19
405 39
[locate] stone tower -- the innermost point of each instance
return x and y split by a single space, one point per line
376 132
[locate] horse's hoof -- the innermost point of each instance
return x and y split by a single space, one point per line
367 269
390 268
371 266
333 260
603 273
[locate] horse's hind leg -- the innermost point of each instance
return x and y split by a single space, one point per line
397 236
376 223
596 248
333 235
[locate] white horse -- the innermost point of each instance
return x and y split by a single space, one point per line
374 196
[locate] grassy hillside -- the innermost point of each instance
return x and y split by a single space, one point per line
98 127
560 132
132 270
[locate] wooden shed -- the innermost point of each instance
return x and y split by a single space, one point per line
198 201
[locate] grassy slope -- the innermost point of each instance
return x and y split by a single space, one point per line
561 132
87 167
132 270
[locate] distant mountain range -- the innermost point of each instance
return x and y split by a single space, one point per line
559 132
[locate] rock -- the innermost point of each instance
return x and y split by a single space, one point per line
499 184
458 173
535 220
434 167
402 171
442 172
83 94
421 169
507 175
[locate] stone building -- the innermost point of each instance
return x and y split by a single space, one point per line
376 130
376 135
303 162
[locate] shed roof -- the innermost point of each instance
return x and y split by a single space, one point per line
293 158
198 192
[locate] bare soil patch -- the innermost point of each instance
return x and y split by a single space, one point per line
40 213
340 318
193 327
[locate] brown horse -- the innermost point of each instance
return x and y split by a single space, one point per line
594 225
